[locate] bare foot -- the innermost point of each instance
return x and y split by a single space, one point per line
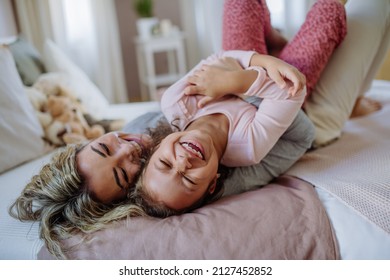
365 106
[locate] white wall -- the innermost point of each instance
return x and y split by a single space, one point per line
202 22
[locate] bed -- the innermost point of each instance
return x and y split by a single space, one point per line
334 203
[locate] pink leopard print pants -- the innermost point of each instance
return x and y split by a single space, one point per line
247 25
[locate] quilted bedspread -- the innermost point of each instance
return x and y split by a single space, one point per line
356 168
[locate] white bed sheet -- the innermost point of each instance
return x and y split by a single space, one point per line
18 240
358 238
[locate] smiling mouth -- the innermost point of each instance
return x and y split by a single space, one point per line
193 149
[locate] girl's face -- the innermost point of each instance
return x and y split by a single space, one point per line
182 169
111 162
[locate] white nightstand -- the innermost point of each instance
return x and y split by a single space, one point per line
145 50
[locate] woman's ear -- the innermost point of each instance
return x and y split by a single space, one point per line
213 183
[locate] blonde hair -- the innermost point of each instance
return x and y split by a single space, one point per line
58 198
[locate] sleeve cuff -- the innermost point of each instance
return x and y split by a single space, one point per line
256 85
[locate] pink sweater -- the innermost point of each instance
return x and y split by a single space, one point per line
252 132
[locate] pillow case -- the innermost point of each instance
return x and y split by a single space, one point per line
89 94
20 131
28 61
283 220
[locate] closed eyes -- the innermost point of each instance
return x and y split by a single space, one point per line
104 152
98 152
118 180
124 174
188 179
105 148
168 165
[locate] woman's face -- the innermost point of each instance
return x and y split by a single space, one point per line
111 162
182 169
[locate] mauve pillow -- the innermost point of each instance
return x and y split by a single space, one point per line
283 220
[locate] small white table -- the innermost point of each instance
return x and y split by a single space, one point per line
145 50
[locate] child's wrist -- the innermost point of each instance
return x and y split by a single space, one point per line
232 81
262 60
245 79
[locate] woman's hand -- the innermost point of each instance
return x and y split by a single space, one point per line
284 74
214 81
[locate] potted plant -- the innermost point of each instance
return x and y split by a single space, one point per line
144 8
146 20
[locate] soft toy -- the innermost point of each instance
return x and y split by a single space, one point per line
55 83
62 115
69 125
39 102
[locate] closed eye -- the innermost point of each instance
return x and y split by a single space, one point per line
165 163
98 152
124 174
188 179
105 148
169 166
117 180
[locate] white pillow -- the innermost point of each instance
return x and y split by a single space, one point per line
20 131
57 61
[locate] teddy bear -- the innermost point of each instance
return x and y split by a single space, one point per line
39 103
55 83
62 115
68 125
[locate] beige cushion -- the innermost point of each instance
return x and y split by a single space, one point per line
20 130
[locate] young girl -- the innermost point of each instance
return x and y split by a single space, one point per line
174 179
230 131
183 171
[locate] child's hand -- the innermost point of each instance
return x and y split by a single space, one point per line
286 75
213 81
228 63
282 73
